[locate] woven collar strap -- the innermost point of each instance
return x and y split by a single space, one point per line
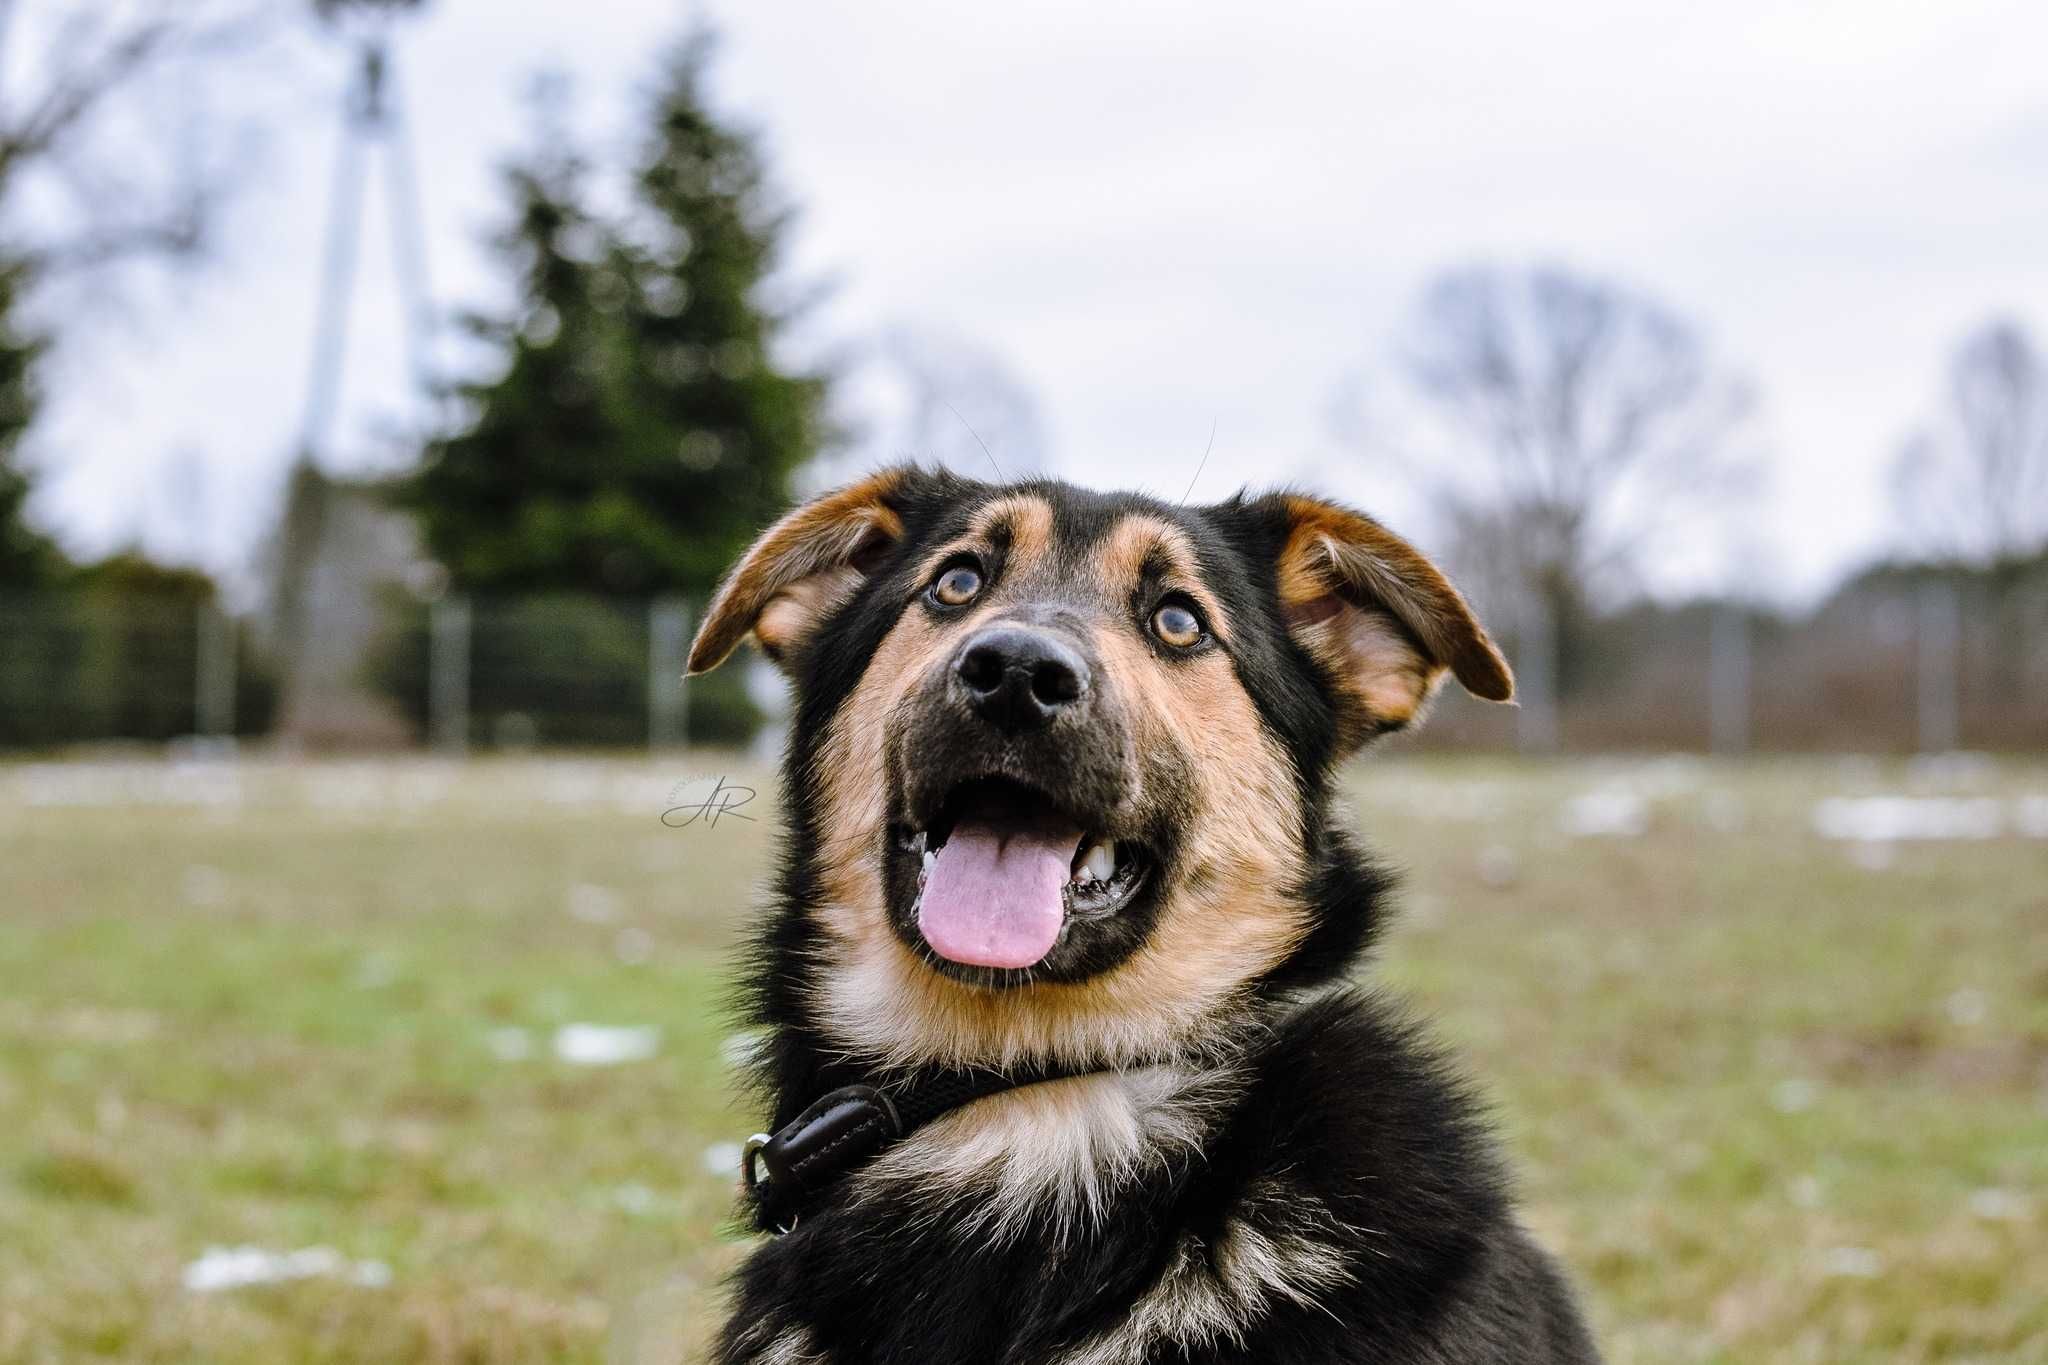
848 1127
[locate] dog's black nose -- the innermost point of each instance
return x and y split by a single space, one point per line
1018 679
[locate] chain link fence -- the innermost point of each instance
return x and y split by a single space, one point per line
1931 665
91 667
1918 666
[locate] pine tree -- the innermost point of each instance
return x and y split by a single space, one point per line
517 500
640 431
27 558
735 426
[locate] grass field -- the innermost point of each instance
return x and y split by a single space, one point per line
1776 1096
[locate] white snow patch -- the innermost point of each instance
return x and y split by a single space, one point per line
1606 812
239 1267
1886 819
181 783
605 1044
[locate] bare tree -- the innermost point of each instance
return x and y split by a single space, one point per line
1972 488
1582 423
99 167
74 206
1973 483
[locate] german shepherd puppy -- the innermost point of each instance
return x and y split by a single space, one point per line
1063 1048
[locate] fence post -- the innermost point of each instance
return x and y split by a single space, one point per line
1940 639
1535 677
668 628
213 686
448 629
1728 679
2033 687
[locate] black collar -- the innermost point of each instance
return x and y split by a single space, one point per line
785 1171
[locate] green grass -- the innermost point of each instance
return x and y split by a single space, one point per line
1772 1103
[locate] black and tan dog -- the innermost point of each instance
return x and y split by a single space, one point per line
1063 1051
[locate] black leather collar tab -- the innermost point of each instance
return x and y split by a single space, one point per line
841 1130
848 1127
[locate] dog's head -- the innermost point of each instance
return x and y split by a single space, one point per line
1058 767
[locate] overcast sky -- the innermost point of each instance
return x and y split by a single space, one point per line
1165 217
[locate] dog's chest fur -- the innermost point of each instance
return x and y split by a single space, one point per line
1051 1159
1041 1222
1319 1194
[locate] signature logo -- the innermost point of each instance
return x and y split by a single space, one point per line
687 807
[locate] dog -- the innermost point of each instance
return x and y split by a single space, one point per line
1061 1042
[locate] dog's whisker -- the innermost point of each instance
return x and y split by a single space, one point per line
1001 478
1200 465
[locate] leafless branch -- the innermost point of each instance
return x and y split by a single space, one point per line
1973 483
1590 421
72 94
68 197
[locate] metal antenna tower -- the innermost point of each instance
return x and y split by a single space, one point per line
370 119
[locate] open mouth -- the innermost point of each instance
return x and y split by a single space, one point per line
1001 871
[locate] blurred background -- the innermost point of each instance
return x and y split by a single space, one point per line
384 385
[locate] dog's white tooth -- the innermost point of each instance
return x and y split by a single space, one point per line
918 843
929 858
1101 861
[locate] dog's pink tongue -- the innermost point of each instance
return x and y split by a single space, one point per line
992 898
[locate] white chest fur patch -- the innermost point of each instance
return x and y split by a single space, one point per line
790 1346
1058 1150
1278 1244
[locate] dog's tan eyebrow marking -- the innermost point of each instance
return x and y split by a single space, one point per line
1024 522
1142 543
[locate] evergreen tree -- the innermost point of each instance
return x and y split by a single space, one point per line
27 558
506 503
737 426
640 431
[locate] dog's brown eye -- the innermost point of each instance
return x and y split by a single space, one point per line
957 586
1175 625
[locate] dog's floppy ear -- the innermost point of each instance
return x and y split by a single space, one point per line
1380 617
800 569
